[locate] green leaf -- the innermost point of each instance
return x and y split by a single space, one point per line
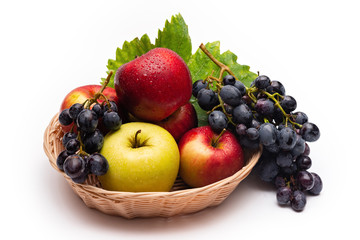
175 36
128 52
201 65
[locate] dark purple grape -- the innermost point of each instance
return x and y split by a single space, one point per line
276 86
242 114
75 109
98 164
287 138
318 185
255 124
230 95
229 80
112 120
239 85
87 121
305 180
288 171
74 166
303 162
207 99
113 107
310 132
267 134
99 110
273 148
268 170
262 82
284 159
245 142
197 86
228 109
300 117
288 103
81 179
265 107
217 121
279 181
283 195
307 150
72 146
299 147
298 200
252 133
64 117
241 129
93 142
67 136
61 159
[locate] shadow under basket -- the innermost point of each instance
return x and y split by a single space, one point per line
180 200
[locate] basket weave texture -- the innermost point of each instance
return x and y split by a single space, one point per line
180 200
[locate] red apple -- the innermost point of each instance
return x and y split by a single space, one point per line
205 158
154 85
181 121
80 94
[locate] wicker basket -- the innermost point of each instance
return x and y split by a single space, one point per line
180 200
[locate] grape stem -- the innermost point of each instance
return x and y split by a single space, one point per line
98 94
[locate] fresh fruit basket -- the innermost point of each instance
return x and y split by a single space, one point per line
180 200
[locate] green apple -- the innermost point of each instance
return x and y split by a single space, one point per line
143 157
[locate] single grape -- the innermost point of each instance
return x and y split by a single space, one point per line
300 117
303 162
310 132
307 150
113 107
276 86
61 159
75 109
99 110
252 133
241 129
305 180
64 117
197 86
81 179
283 195
228 109
112 120
67 136
239 85
262 82
207 99
273 148
264 107
288 171
72 146
98 164
93 142
230 95
248 143
287 138
267 134
318 185
284 159
87 121
255 124
298 200
229 80
279 182
288 103
217 121
242 114
299 147
74 166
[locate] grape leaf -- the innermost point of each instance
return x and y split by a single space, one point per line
201 66
175 36
128 52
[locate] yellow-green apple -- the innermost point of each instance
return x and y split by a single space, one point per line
153 86
142 157
207 157
80 94
181 121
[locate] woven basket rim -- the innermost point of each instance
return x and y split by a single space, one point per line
103 193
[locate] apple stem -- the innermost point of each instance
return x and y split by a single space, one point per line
136 145
214 143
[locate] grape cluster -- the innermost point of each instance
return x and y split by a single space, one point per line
264 115
83 142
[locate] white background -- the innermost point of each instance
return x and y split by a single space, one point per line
48 48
